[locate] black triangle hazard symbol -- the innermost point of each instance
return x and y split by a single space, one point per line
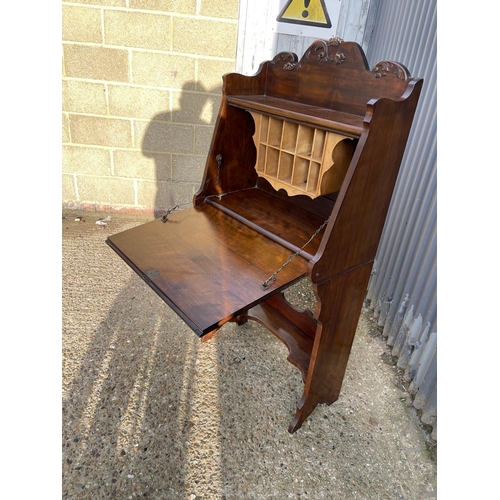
307 12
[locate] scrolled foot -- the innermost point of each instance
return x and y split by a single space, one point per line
304 408
295 424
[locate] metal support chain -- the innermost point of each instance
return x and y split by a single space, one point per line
169 211
219 164
272 278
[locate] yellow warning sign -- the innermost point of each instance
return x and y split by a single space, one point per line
307 12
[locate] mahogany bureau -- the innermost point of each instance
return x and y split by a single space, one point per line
297 184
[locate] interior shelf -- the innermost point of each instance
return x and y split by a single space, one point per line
328 119
276 217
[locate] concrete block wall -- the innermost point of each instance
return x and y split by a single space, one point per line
141 90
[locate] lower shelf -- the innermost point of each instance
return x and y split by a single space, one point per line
297 340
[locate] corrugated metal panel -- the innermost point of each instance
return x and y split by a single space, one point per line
402 290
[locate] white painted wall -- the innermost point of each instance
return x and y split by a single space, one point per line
259 40
256 34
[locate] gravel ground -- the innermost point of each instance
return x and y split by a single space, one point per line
150 411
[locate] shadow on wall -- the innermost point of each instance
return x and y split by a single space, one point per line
178 141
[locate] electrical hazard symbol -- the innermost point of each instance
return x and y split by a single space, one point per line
306 12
